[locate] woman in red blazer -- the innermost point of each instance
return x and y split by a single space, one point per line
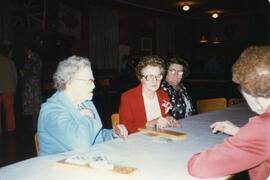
147 105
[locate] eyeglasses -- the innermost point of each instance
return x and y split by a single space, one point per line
174 71
91 81
151 77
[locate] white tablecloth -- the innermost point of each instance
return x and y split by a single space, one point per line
154 157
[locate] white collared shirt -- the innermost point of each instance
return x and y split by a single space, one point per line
152 108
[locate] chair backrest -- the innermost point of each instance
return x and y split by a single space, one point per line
36 143
234 101
115 119
206 105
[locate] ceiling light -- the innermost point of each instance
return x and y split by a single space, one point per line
186 7
203 39
216 41
215 15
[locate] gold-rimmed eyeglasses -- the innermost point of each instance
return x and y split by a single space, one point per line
152 77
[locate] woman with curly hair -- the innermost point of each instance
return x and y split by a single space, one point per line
146 105
248 147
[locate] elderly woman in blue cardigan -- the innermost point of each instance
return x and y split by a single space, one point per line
68 120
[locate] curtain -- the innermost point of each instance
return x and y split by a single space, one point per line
103 37
165 37
5 20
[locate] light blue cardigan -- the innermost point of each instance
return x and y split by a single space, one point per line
62 128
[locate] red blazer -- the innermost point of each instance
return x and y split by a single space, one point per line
248 149
132 112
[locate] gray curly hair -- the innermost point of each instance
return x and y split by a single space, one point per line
67 68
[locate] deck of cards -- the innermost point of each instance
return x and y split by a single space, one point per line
94 161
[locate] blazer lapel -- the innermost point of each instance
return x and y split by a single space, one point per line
161 100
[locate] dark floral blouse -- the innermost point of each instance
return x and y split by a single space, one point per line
181 102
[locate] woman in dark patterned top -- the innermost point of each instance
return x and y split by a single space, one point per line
182 107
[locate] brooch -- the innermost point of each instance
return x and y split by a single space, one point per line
167 105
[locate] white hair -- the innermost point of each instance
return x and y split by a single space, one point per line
66 70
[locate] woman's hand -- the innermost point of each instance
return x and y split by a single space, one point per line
224 127
162 122
159 122
173 122
120 131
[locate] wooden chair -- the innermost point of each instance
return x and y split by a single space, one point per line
206 105
36 143
115 119
234 101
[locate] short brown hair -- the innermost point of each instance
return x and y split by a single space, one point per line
151 61
252 71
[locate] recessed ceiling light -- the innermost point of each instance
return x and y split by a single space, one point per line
186 7
215 15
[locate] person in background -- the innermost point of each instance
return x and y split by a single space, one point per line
18 56
31 85
8 81
146 105
177 69
68 120
248 147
